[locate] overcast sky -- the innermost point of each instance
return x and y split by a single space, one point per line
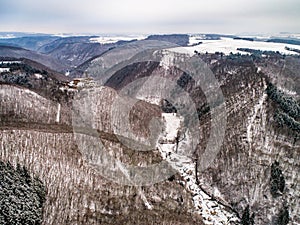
150 16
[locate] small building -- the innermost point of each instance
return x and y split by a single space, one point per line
81 82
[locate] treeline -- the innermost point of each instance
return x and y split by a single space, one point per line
284 119
21 196
289 109
285 41
288 104
260 52
277 181
24 68
239 59
244 38
292 49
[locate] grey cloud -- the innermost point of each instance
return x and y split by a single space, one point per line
151 16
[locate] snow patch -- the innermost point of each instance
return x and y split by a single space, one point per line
4 70
58 113
38 76
10 62
286 91
258 69
143 197
172 122
167 60
150 99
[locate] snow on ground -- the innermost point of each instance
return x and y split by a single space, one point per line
258 69
228 45
286 91
10 62
167 59
38 76
58 113
211 211
251 119
195 39
151 99
7 36
114 39
172 125
4 70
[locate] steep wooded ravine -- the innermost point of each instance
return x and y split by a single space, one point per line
255 173
76 192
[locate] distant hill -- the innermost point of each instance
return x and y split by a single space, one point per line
18 53
30 43
285 41
58 53
34 76
74 54
179 39
59 42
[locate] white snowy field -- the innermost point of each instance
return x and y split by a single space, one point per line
114 39
228 45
